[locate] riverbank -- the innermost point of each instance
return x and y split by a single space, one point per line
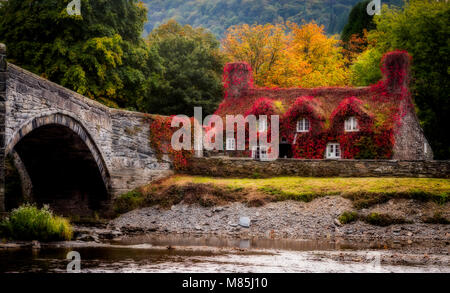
288 236
317 219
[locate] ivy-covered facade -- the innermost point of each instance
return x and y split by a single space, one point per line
375 122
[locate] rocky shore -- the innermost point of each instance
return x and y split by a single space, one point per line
286 220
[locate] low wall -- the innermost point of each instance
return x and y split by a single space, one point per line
246 167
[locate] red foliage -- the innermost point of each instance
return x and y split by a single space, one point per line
395 68
160 138
262 106
379 110
303 107
351 106
236 76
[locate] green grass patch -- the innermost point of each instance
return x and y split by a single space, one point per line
383 220
31 223
437 218
348 217
128 202
364 192
281 195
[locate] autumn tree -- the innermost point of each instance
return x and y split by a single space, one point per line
287 55
310 59
259 45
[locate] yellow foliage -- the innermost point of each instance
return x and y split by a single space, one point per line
288 55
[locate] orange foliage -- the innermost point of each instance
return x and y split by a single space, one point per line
355 46
288 55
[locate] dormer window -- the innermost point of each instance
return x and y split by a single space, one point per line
351 124
303 125
262 125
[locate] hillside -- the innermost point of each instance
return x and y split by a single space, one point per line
218 15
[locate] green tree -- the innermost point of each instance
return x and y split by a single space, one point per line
366 69
422 28
100 53
219 15
358 20
192 73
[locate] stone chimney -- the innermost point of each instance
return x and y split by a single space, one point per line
237 78
395 67
3 77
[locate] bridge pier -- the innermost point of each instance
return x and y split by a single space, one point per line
3 77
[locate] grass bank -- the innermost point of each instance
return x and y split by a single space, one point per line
209 191
31 223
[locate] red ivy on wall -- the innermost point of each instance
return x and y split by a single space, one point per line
160 139
377 125
363 144
235 77
351 106
262 106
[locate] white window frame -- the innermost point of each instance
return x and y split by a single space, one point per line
303 125
333 151
351 124
231 144
254 151
263 153
262 125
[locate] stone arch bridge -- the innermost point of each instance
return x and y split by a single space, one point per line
70 151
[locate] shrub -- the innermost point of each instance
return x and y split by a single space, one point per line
31 223
383 220
348 217
128 202
437 218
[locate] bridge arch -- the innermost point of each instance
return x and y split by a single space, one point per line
56 149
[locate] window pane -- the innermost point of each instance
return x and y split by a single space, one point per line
230 144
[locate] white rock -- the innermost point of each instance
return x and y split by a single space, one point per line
244 222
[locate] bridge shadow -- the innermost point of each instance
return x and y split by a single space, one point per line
62 170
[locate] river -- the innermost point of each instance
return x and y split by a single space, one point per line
178 253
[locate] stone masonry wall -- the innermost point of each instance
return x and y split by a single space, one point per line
3 77
121 138
410 141
246 167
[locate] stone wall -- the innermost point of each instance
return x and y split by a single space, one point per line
410 140
246 167
3 77
119 140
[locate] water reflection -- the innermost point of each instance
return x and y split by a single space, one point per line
178 253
